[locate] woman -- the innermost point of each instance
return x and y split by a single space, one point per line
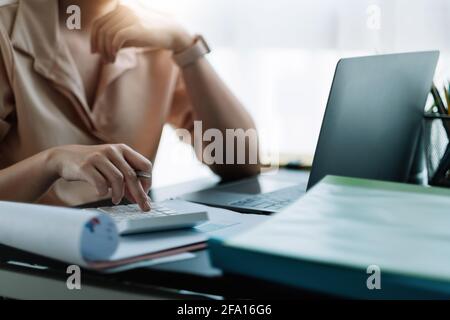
81 111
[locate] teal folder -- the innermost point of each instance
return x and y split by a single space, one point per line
333 237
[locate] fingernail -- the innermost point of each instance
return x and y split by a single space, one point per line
147 206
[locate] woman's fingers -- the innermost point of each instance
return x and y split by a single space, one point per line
140 163
115 179
96 30
115 167
132 182
104 32
105 167
146 184
119 39
136 160
111 48
136 190
107 33
92 176
132 199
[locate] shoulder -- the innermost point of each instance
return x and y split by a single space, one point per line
8 11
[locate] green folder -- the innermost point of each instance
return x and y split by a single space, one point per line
330 240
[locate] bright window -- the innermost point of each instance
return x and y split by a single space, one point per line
279 58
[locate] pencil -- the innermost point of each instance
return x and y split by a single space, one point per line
438 100
441 107
447 99
143 174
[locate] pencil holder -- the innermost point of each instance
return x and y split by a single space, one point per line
437 148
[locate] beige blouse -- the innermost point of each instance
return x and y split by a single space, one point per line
43 104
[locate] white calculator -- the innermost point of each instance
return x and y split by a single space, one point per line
167 215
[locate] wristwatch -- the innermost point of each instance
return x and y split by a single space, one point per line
190 55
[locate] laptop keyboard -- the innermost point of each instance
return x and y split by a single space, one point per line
272 201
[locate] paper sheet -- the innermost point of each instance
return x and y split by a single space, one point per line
68 235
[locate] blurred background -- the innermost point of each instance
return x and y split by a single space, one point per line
279 58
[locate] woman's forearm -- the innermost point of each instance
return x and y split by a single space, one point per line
214 103
217 107
28 180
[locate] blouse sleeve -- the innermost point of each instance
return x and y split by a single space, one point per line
6 101
6 92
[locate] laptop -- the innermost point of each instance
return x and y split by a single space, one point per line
370 129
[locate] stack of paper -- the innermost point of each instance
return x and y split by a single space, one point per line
344 228
64 234
90 238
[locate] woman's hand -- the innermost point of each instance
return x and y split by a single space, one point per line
122 28
105 167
